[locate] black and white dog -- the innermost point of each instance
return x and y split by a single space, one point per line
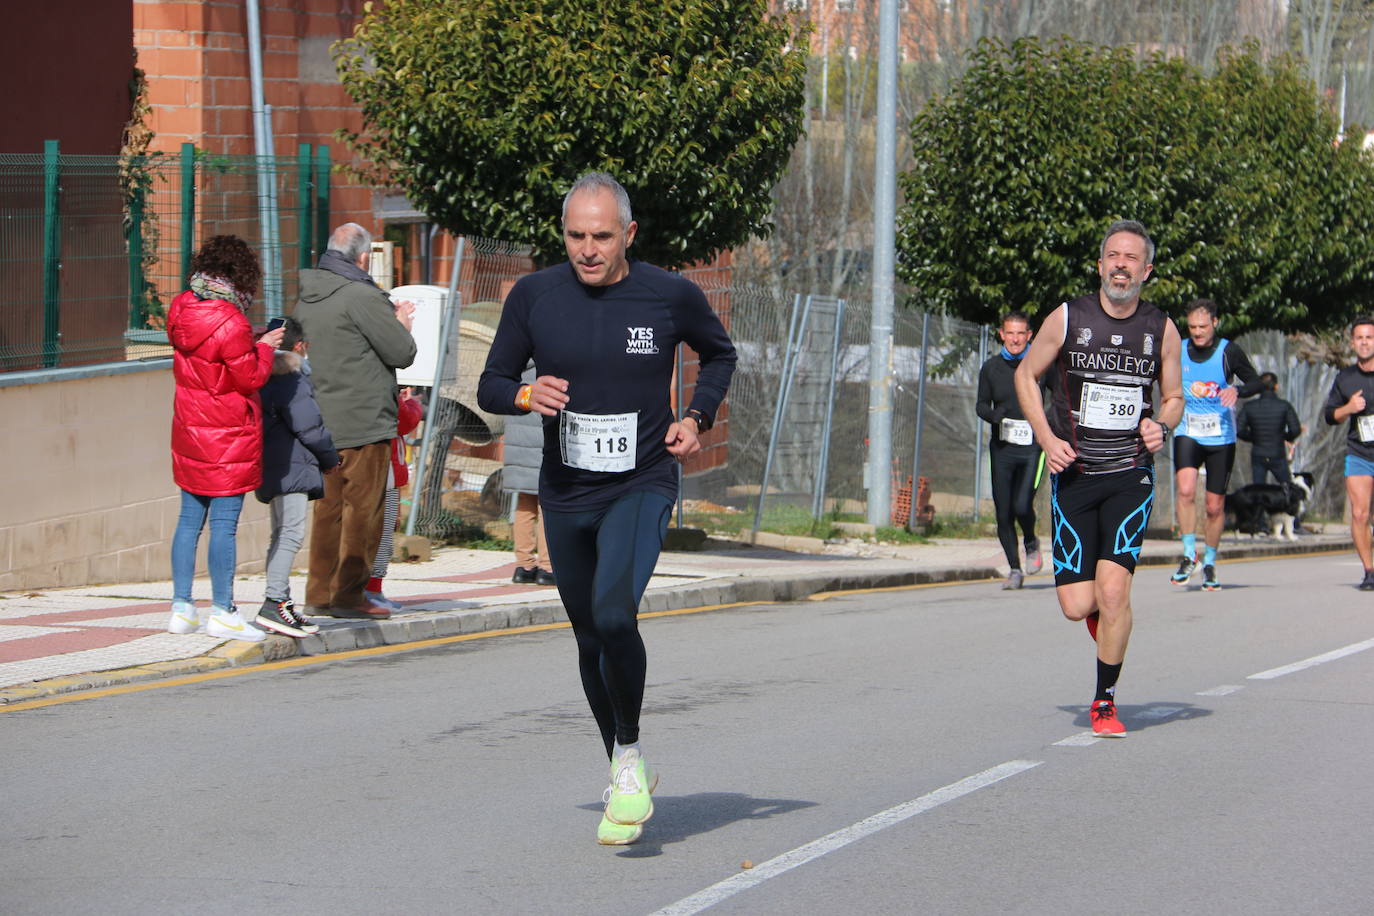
1269 508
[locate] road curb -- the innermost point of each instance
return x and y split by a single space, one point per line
345 636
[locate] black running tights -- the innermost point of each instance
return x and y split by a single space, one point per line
1013 495
603 560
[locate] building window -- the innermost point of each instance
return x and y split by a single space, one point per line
844 6
795 5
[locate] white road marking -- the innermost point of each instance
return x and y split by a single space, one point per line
1222 691
1082 739
1159 712
1313 661
760 873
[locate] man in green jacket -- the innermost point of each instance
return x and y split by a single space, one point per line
358 340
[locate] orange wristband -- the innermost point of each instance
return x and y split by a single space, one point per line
523 399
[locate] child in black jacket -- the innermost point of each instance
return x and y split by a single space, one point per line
297 451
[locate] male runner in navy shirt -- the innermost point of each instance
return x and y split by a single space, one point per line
602 331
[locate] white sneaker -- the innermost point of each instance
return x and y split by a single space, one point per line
381 600
185 619
230 625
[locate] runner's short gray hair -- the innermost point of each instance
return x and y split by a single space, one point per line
599 181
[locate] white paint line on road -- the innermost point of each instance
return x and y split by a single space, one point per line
760 873
1082 739
1313 661
1222 691
1159 713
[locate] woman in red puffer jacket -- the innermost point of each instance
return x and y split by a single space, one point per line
216 425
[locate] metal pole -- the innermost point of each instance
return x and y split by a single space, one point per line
879 467
978 432
304 230
432 408
264 173
920 421
271 242
188 208
52 254
818 504
778 407
680 408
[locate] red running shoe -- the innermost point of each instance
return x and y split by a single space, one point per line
1105 722
1091 620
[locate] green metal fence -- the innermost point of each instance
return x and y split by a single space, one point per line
94 248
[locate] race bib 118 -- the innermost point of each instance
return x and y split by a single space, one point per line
598 442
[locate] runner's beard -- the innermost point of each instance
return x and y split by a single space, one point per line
1122 296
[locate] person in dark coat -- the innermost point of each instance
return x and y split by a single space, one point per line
216 426
1270 425
523 453
297 451
358 339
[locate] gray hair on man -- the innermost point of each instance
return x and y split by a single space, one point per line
350 240
1133 227
599 181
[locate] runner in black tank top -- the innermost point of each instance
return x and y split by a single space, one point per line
1108 350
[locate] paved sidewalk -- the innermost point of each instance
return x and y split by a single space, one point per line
64 640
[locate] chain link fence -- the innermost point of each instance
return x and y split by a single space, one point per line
789 450
94 248
457 453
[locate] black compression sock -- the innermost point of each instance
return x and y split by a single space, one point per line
1106 680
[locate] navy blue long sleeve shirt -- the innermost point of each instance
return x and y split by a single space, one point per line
615 347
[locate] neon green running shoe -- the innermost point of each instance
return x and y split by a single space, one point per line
609 833
632 781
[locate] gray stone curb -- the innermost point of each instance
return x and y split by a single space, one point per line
352 635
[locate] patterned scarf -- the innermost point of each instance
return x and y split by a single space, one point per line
208 287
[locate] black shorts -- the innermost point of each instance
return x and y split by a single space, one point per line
1219 459
1098 517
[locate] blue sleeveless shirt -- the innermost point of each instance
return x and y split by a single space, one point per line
1205 419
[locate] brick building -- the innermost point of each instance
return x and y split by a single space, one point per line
195 57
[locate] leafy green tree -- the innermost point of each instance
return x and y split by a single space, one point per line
1236 175
486 111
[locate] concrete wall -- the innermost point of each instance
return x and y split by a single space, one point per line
87 471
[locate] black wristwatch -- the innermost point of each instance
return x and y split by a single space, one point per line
703 421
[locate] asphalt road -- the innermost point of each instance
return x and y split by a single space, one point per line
912 751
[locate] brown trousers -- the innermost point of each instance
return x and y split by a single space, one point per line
348 527
528 533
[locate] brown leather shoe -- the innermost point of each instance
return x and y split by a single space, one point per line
366 611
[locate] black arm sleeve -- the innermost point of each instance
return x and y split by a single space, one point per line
984 402
1239 365
703 332
510 353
